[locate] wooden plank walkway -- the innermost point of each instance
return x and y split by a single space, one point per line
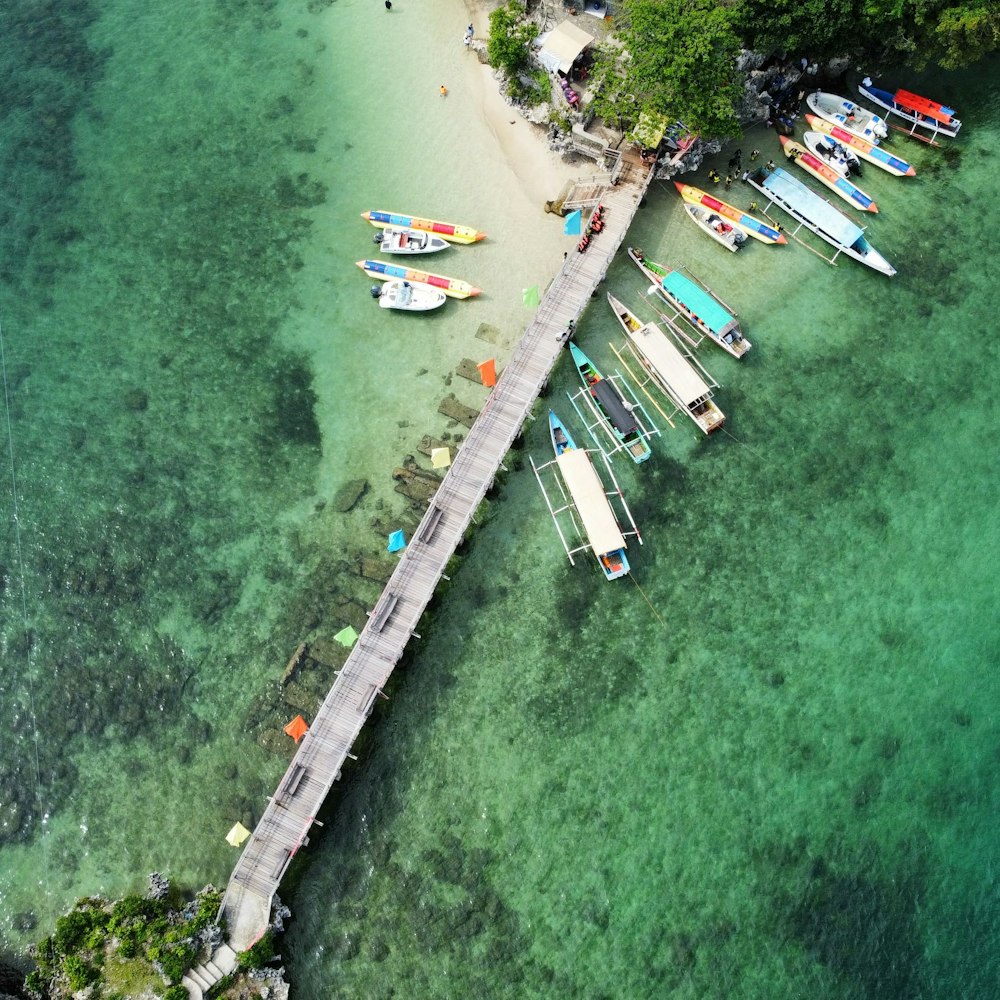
291 811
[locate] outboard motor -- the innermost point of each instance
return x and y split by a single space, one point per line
377 238
376 291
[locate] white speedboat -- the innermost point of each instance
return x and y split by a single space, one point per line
721 230
833 154
393 240
839 111
405 295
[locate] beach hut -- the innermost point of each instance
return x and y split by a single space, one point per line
562 47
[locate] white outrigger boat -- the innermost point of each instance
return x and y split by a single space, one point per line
675 373
584 498
839 158
819 216
938 119
839 111
399 294
624 423
723 232
703 310
405 241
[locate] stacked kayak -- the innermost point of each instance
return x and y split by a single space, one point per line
876 155
750 225
825 174
383 271
447 230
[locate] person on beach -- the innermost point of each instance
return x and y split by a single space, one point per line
388 4
755 154
443 91
729 181
469 32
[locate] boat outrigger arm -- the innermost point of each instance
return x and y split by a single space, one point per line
595 421
568 504
773 200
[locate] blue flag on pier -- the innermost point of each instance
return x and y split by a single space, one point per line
571 227
396 541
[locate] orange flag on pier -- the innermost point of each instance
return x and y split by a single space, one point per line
488 372
297 728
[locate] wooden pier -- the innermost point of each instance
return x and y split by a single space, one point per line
292 810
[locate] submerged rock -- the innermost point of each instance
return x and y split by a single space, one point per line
349 494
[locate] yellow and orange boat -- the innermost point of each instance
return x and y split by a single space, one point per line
750 225
446 230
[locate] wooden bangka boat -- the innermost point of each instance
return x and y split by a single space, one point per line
853 117
749 224
938 119
879 156
406 241
620 419
677 375
447 230
845 161
383 271
584 497
819 216
716 226
826 175
697 305
399 294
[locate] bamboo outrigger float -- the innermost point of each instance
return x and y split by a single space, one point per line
587 503
676 373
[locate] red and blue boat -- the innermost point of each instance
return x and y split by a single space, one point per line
938 119
879 156
748 223
446 230
383 271
825 174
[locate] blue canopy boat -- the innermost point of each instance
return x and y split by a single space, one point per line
819 216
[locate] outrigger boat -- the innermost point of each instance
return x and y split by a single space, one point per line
839 111
405 295
448 230
845 161
938 119
677 374
383 271
584 496
404 241
696 304
718 228
748 223
879 156
819 216
825 174
620 419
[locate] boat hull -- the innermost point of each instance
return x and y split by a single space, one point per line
711 223
382 270
879 156
408 241
749 224
409 297
947 124
850 116
447 230
827 176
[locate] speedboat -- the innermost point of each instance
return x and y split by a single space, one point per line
825 174
751 225
384 271
399 294
716 226
832 153
839 111
404 241
879 156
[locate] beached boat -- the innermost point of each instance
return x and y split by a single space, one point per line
716 226
696 304
405 295
938 119
620 419
879 156
382 270
447 230
845 161
405 241
748 223
839 111
587 503
826 175
818 215
675 373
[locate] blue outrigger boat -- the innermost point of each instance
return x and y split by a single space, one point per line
620 419
819 216
584 497
937 118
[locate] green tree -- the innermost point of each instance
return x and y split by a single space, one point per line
965 34
510 38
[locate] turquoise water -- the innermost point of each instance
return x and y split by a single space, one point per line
769 773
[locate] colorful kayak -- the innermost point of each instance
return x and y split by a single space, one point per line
451 232
825 174
923 113
840 111
879 156
383 271
750 225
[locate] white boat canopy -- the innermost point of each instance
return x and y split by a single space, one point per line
562 46
591 502
672 367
